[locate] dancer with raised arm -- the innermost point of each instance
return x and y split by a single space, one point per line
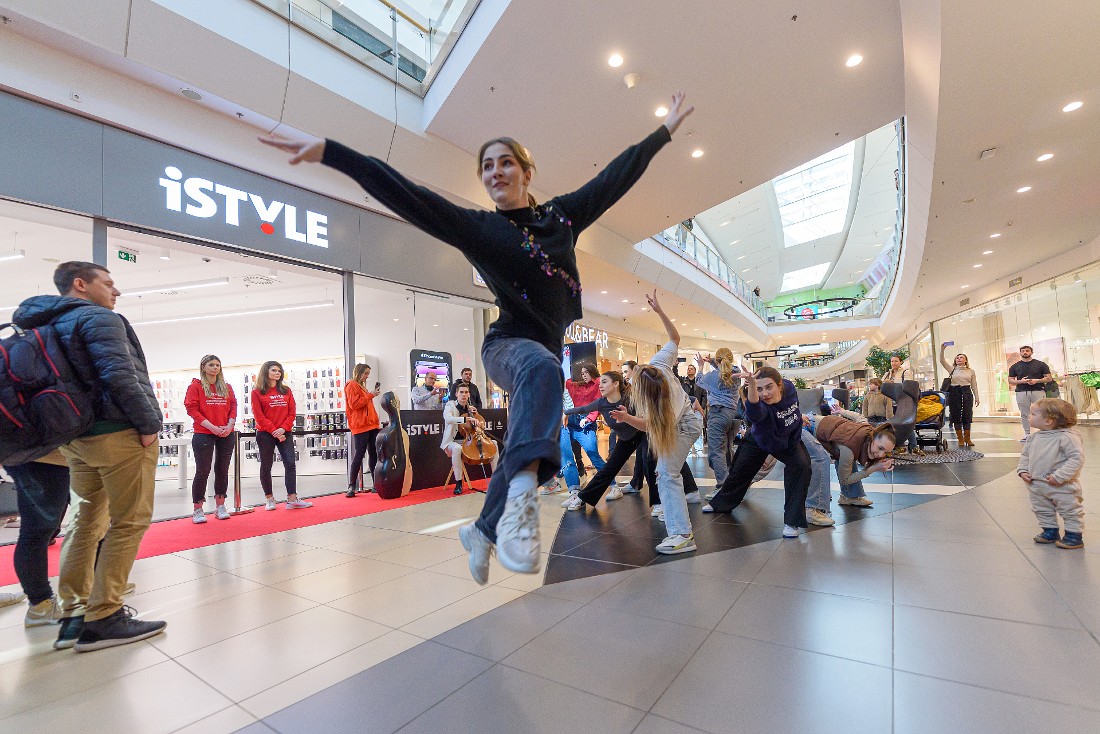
525 252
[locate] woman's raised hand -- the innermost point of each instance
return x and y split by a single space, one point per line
304 149
677 111
653 303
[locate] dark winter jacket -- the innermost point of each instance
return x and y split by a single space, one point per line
104 350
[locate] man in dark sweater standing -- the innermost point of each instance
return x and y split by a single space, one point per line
112 466
466 377
1029 377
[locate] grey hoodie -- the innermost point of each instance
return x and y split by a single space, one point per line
1058 451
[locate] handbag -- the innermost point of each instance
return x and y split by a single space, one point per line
945 386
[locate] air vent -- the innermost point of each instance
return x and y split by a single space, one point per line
258 280
964 302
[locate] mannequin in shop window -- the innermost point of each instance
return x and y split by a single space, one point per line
274 409
213 407
363 424
526 254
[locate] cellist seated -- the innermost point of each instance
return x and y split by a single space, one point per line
460 412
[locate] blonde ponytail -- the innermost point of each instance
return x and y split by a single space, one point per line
724 358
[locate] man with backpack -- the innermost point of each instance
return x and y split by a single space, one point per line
112 464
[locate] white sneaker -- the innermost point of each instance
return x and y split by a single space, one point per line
693 498
710 495
479 548
43 613
574 502
518 545
815 516
567 500
631 489
707 508
614 494
271 505
658 511
221 512
677 544
791 532
199 517
855 501
552 488
298 504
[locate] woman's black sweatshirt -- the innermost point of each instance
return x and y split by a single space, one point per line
605 406
526 256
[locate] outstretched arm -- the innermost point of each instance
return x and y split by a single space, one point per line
670 328
943 359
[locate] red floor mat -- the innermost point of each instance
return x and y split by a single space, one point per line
171 536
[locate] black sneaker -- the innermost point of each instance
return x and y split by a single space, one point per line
118 629
71 627
350 493
458 487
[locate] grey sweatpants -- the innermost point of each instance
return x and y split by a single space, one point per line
1024 399
1047 501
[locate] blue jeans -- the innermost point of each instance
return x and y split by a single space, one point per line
819 496
42 491
568 465
722 425
532 376
589 441
670 482
266 446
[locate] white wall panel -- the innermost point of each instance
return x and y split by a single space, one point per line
102 23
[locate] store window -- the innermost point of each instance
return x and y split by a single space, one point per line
33 241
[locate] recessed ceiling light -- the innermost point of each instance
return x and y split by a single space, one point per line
966 286
661 111
742 257
697 153
988 252
853 60
978 265
626 300
723 224
615 61
644 308
995 235
1045 157
735 242
1023 189
603 292
695 328
1073 106
395 319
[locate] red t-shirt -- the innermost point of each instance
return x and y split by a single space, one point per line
584 394
218 409
273 410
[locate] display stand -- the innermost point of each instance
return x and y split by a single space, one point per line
237 508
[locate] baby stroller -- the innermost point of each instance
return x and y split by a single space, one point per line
930 431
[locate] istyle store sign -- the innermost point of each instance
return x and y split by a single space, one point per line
151 184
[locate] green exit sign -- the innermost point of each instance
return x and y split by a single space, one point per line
127 255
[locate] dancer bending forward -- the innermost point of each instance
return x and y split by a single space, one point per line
525 252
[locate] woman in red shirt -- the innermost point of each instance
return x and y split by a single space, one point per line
362 422
582 429
212 405
274 409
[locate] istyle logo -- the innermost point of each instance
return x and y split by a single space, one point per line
203 205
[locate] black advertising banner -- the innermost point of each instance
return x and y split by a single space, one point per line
429 464
576 354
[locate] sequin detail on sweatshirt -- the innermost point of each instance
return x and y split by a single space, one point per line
535 251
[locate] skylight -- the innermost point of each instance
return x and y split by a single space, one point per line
813 198
804 278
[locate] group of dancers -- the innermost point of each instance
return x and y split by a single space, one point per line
525 252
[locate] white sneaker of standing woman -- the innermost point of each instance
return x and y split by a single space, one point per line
518 545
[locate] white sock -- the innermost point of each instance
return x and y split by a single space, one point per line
523 481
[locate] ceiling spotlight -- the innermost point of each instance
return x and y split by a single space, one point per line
395 319
697 153
645 308
853 60
603 292
195 96
966 286
615 61
995 235
661 111
1023 189
1045 157
626 300
988 252
978 265
1073 106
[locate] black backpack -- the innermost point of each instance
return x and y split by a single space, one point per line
43 403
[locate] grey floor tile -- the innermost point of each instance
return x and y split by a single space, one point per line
987 595
988 559
844 626
622 657
686 598
842 544
737 684
386 697
851 578
1083 600
507 628
656 725
1007 656
1056 564
951 532
507 700
258 727
736 564
930 706
583 590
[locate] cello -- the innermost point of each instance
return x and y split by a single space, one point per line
478 447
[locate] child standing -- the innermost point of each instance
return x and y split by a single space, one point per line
1050 465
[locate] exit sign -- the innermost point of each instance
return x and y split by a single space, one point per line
127 255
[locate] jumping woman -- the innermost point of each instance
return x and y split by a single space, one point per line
526 253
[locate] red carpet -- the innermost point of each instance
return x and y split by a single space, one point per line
171 536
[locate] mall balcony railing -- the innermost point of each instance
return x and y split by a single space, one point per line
838 350
391 38
706 258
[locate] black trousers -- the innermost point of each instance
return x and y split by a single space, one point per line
210 449
266 446
643 463
362 443
748 460
961 401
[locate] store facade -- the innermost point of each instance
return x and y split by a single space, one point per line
1059 318
215 259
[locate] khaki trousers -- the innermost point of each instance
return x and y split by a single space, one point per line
112 477
1067 500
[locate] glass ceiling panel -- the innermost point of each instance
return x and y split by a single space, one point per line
813 198
804 278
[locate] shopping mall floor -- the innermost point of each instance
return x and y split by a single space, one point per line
934 613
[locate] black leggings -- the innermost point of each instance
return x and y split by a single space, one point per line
362 443
624 447
748 460
266 446
961 401
210 449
